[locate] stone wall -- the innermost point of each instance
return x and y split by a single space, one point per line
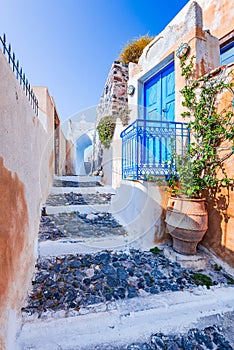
113 102
26 168
114 96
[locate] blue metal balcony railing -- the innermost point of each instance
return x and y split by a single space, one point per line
148 147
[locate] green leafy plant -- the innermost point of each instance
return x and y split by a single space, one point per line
155 250
106 129
201 279
229 279
217 267
202 168
123 114
106 126
134 48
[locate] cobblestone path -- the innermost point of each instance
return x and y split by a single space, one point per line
76 225
76 284
208 338
68 183
78 199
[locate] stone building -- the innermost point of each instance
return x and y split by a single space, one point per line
114 103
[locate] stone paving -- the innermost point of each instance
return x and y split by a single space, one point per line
77 225
195 339
78 199
69 183
74 282
71 285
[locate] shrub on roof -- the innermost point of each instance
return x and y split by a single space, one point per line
132 51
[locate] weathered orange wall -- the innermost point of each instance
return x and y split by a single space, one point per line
14 266
218 16
220 234
26 173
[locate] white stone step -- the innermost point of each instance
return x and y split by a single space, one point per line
83 190
127 321
79 178
83 209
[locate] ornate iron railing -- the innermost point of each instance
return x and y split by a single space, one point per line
148 148
19 74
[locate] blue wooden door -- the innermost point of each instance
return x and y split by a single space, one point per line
159 95
168 94
153 99
159 103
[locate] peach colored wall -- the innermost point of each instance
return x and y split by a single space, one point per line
70 158
220 235
26 172
218 16
62 153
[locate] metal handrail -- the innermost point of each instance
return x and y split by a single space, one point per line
18 71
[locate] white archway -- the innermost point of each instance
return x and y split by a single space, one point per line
80 132
82 143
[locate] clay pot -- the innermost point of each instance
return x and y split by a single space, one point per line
187 223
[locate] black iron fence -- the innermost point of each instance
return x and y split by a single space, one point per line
18 71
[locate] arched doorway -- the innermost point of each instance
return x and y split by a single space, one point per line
82 144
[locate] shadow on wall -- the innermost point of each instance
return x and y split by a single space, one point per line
82 143
219 236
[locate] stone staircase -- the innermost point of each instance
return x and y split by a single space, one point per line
91 290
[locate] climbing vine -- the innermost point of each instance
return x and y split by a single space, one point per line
212 129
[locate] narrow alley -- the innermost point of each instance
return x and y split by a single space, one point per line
92 290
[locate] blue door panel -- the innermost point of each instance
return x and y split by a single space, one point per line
153 98
168 94
159 103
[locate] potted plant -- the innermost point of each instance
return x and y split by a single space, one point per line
200 173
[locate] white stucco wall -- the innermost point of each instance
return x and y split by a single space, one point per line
26 162
140 207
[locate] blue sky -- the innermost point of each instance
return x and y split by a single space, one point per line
69 45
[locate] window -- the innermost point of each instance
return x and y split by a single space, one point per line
227 53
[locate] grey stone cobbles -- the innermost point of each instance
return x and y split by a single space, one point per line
69 183
78 199
195 339
76 281
77 225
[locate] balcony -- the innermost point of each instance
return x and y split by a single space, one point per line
148 147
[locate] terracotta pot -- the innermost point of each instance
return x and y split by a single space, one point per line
187 223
